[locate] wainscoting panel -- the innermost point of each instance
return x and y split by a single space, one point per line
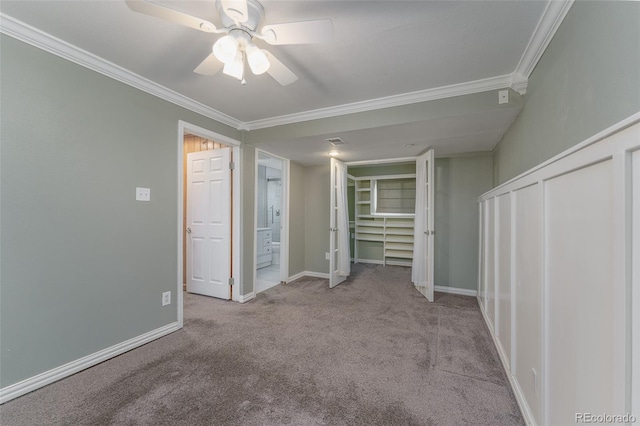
578 266
490 262
559 284
503 274
527 296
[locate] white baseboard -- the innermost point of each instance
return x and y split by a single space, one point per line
517 391
398 263
372 261
455 290
18 389
246 297
308 274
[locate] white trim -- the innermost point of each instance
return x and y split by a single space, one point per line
466 88
38 38
244 298
611 145
236 239
18 389
456 290
635 283
380 161
284 232
550 20
546 28
397 263
308 274
296 276
517 391
383 177
371 261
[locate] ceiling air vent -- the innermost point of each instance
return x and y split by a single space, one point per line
335 141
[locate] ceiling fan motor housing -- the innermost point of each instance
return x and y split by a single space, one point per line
254 19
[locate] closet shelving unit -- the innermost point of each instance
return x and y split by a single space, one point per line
395 233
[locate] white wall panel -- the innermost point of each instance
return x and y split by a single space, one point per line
489 262
579 273
503 273
527 321
560 267
635 285
481 255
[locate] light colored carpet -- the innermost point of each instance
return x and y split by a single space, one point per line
371 351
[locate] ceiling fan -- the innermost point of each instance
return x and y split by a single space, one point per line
242 20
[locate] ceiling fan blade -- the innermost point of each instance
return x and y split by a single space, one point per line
162 12
235 9
209 66
301 32
279 71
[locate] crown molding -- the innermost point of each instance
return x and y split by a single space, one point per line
467 88
550 20
548 24
37 38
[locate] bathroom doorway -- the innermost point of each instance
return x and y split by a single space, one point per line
271 214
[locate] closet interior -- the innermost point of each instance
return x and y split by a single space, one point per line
381 213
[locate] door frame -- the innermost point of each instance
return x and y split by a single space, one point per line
284 233
236 270
334 229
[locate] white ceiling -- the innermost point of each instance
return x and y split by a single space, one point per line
383 51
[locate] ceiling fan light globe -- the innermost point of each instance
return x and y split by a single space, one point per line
235 68
225 49
258 61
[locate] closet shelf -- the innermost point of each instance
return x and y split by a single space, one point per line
369 237
399 254
399 246
392 234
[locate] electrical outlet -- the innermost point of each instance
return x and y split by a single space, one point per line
166 298
143 194
327 256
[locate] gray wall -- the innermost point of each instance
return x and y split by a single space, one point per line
83 263
317 181
296 219
587 80
458 182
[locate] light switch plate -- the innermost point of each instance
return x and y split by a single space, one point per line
503 97
143 194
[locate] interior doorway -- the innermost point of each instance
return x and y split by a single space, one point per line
271 221
204 140
192 143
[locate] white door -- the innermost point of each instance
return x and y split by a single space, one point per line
422 266
338 253
209 223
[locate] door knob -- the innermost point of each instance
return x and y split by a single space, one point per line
188 230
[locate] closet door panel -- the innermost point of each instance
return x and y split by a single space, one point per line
579 247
